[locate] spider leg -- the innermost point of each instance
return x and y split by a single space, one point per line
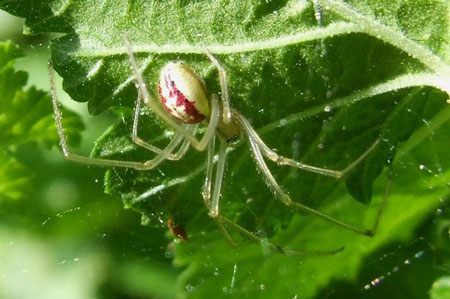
218 180
160 157
280 160
387 188
182 150
136 139
317 12
319 19
272 246
206 191
256 148
226 110
201 144
214 211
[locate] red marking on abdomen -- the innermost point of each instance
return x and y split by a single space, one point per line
192 114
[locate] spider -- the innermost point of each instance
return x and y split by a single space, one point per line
184 104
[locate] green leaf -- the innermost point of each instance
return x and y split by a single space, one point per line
318 93
26 116
15 179
413 197
441 288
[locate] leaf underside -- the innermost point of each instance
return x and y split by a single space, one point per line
317 93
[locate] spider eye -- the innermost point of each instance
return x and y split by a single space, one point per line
183 94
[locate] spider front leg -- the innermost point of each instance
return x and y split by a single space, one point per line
260 149
160 157
226 110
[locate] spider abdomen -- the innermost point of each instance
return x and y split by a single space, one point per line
183 94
